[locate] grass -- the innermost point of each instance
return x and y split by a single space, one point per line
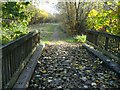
46 31
70 40
64 37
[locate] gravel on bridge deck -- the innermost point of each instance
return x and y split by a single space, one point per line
71 66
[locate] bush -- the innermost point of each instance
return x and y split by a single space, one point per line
81 39
13 32
15 20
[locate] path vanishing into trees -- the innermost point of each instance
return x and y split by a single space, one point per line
60 45
51 33
68 65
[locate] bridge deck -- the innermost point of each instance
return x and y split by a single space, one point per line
71 66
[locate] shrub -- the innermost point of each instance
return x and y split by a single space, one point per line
13 32
81 39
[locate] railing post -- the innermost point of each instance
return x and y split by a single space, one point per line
106 43
96 39
90 37
39 37
0 68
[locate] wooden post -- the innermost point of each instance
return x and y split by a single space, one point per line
0 69
106 43
96 39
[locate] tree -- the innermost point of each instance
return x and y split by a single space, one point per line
102 16
14 20
106 19
74 15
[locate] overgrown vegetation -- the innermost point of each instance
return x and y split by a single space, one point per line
105 17
17 16
14 20
74 17
100 15
46 31
81 38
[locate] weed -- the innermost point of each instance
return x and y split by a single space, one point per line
81 39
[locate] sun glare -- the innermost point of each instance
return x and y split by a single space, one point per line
47 5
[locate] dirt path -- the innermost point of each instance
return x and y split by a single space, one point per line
56 36
51 33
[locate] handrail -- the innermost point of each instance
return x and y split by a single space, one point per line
15 53
105 41
15 43
103 33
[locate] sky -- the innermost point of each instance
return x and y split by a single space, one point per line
47 5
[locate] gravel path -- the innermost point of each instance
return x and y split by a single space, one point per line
70 66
